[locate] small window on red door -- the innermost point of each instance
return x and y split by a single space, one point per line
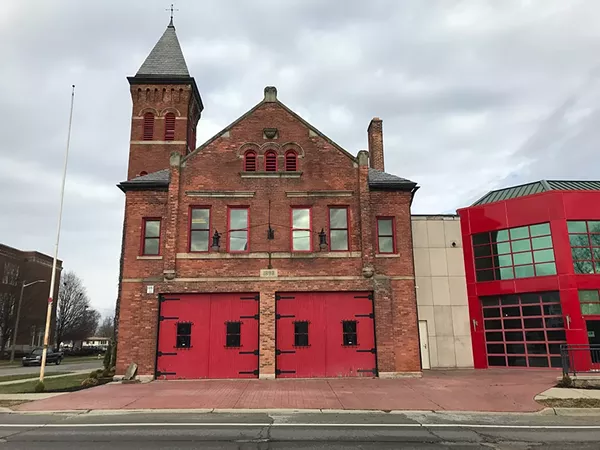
148 126
151 237
184 335
291 161
386 238
338 229
233 331
169 127
271 161
250 161
301 334
349 334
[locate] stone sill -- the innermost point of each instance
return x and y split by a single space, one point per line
265 255
395 255
150 257
320 194
221 194
159 142
270 174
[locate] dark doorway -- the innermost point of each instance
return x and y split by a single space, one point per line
593 331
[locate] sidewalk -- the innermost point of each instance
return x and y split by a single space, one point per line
456 390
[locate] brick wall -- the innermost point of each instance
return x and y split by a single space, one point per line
216 168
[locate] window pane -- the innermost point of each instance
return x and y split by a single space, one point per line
339 240
493 336
238 219
581 254
579 240
510 324
482 250
535 336
485 275
590 308
530 298
517 361
338 218
200 219
522 258
492 325
532 310
152 228
301 240
506 273
301 327
596 254
184 328
496 361
480 263
538 361
583 267
238 241
539 349
491 312
541 229
545 269
183 341
519 233
233 340
513 336
533 323
234 327
589 296
384 227
554 349
481 238
504 260
522 245
541 242
558 335
509 300
151 246
301 218
554 322
576 227
552 310
386 245
593 226
595 239
502 248
489 301
500 236
511 311
495 348
199 241
524 271
515 348
550 297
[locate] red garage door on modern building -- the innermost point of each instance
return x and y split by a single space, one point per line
208 336
325 334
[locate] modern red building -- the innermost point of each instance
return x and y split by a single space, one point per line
532 263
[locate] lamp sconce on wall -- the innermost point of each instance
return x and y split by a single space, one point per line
323 240
216 241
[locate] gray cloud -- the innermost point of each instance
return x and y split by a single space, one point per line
473 94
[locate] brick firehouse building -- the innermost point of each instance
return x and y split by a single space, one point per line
269 251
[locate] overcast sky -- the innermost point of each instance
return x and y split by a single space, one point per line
474 95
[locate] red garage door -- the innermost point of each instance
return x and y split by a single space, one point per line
208 336
325 334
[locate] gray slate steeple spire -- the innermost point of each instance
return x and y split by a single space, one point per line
166 58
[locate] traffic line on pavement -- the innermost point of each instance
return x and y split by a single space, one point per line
300 425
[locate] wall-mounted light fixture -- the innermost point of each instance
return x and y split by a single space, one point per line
216 241
323 240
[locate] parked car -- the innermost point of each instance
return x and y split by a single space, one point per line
35 357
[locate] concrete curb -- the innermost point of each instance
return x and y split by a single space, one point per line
107 412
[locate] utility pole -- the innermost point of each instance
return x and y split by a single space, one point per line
54 262
16 329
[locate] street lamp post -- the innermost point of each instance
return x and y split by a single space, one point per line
15 331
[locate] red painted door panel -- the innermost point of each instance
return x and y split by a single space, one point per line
208 336
325 334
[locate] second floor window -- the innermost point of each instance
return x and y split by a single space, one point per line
148 133
239 233
151 237
301 230
584 237
386 239
199 229
169 127
338 229
271 161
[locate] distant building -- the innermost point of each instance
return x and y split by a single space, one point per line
95 341
18 267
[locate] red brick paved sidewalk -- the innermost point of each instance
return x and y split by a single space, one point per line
460 390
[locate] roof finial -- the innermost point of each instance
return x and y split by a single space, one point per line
171 9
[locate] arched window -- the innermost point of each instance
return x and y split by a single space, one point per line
148 126
271 161
250 161
169 127
291 161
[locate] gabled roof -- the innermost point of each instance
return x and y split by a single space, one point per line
166 58
155 180
384 180
536 187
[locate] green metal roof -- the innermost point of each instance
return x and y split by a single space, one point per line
536 187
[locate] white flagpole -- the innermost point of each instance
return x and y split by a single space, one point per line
54 262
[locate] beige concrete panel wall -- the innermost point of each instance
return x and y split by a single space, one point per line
442 289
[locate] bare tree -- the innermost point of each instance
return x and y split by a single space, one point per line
8 301
106 328
75 319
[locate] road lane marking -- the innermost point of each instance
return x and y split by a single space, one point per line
301 425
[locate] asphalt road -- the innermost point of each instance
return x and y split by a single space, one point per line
63 367
296 431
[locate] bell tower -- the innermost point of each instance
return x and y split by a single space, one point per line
166 108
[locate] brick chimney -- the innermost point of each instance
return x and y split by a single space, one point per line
375 132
